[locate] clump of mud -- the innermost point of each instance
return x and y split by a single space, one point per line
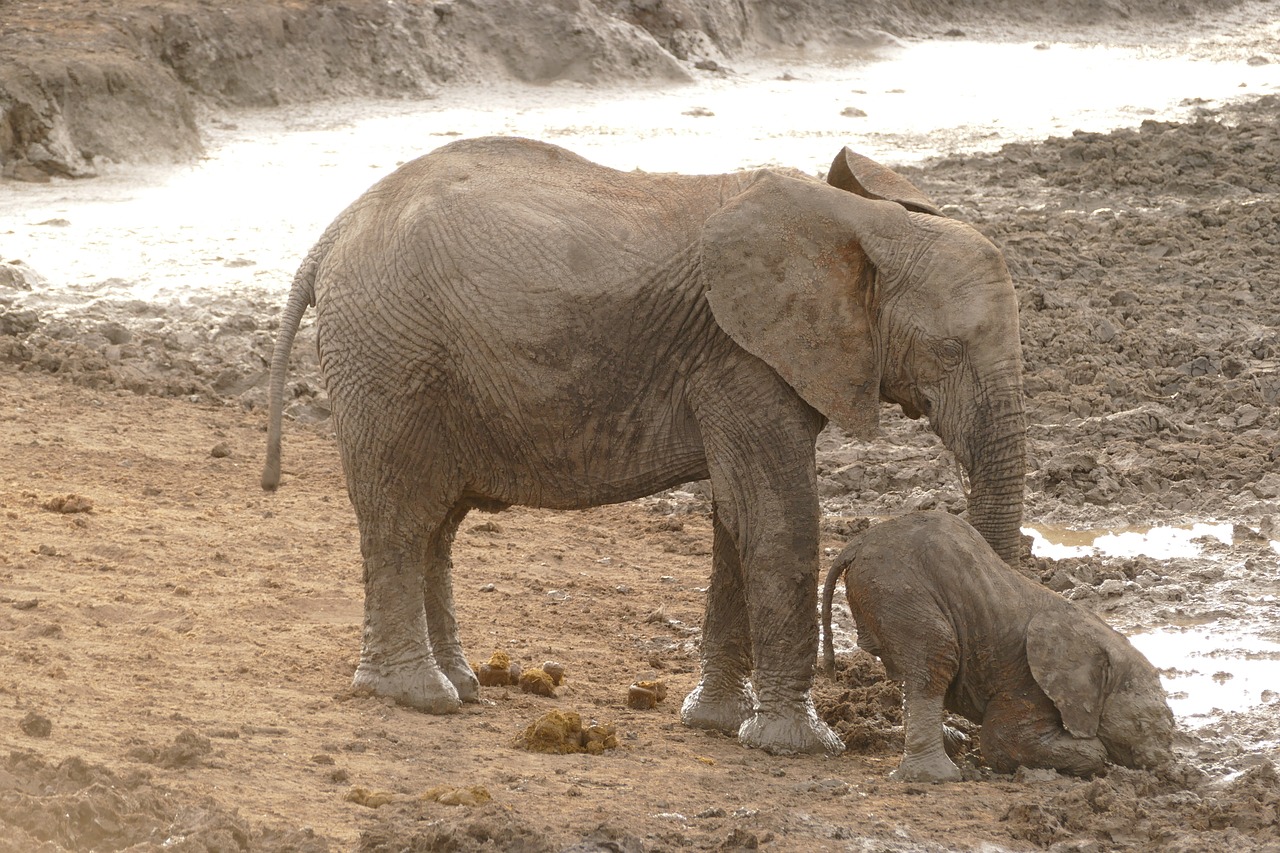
1135 810
74 805
188 749
488 827
862 704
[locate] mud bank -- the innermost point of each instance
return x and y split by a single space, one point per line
84 83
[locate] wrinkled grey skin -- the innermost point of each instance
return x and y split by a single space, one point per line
502 322
1051 684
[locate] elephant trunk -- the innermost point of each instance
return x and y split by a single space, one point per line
996 478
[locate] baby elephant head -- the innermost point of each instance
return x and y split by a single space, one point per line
1102 686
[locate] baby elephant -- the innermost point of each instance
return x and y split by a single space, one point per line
1051 684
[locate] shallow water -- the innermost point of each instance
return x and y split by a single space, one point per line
242 217
1207 669
1162 543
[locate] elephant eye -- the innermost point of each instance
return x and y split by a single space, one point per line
950 351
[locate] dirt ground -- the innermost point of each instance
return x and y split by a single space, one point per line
176 647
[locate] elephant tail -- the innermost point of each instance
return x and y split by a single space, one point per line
828 591
301 296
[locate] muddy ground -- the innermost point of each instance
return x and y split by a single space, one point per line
176 647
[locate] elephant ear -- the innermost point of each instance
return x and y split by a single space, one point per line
864 177
787 267
1067 652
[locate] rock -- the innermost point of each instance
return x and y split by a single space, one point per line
18 276
18 323
555 671
1111 588
36 725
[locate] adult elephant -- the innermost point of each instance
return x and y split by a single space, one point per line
503 322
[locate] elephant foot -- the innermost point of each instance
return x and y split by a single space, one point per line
793 729
460 675
421 685
934 767
719 710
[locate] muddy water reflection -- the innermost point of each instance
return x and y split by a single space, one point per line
1161 543
1207 668
1210 669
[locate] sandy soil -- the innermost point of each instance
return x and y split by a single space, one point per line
176 647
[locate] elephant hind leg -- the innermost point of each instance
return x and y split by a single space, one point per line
933 659
437 599
402 540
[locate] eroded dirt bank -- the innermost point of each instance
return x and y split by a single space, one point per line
82 82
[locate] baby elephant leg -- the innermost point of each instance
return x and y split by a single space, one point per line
931 668
1020 734
925 757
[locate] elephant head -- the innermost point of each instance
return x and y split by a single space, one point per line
857 291
1101 686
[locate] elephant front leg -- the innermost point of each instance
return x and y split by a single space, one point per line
723 699
1028 734
395 658
777 543
782 591
759 439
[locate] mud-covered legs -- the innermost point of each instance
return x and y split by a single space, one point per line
723 699
410 649
759 445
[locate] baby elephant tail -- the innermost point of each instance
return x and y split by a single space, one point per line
828 590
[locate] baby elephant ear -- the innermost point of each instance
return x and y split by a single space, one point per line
1068 658
863 176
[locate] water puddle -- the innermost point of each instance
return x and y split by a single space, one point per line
1209 669
1160 543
